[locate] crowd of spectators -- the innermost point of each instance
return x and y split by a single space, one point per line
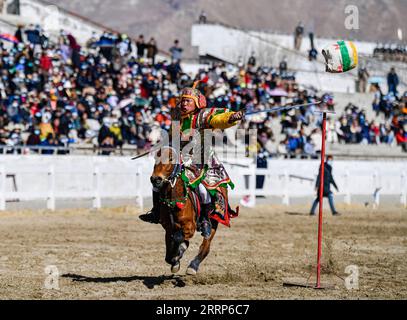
114 92
391 53
110 92
302 128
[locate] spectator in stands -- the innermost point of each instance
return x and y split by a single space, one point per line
176 52
19 33
141 47
117 134
363 76
327 193
393 81
51 142
313 53
202 17
252 61
387 135
378 98
309 149
34 35
401 138
46 62
264 152
106 43
107 146
124 45
283 66
298 35
3 138
13 142
34 139
152 50
331 134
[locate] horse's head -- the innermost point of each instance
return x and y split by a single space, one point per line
166 171
167 167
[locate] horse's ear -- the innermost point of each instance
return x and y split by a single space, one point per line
157 156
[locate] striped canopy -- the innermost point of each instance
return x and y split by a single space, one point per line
9 38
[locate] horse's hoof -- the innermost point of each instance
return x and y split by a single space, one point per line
191 272
175 269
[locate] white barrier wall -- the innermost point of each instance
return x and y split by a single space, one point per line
52 178
81 177
297 178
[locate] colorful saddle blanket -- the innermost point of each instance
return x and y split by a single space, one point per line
222 211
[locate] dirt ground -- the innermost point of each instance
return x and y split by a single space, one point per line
110 254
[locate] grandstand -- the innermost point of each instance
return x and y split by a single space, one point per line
227 51
230 44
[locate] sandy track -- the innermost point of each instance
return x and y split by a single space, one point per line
112 255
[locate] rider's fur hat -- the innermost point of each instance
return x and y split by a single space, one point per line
194 94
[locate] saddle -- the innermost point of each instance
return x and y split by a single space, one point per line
222 211
216 181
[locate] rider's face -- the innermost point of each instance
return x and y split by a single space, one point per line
187 105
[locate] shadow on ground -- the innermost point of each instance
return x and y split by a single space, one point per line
296 214
149 282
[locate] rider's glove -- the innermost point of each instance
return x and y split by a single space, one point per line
238 116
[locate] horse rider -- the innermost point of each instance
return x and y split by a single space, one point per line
193 116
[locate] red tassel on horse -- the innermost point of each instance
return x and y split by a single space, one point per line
180 205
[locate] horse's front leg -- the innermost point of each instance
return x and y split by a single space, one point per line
186 231
203 252
176 262
176 246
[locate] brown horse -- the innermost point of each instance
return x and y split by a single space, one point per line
178 215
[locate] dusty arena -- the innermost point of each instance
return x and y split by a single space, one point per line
110 254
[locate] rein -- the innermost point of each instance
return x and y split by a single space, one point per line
179 202
172 181
176 173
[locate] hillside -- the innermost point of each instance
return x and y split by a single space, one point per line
170 19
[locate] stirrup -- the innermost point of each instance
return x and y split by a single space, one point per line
150 217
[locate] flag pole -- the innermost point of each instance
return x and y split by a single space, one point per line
321 201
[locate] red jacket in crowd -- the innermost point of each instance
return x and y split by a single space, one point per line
46 63
401 137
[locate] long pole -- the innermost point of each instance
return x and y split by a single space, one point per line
284 108
321 201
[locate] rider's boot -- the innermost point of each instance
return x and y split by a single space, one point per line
153 216
206 225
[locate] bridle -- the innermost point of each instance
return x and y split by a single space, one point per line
172 179
176 172
175 204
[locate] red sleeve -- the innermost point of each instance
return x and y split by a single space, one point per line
400 138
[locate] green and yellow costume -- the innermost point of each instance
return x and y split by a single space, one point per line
209 170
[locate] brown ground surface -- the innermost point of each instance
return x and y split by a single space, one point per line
112 255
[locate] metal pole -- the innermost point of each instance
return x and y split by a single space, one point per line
3 177
348 196
403 198
139 186
97 201
321 201
286 197
51 188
